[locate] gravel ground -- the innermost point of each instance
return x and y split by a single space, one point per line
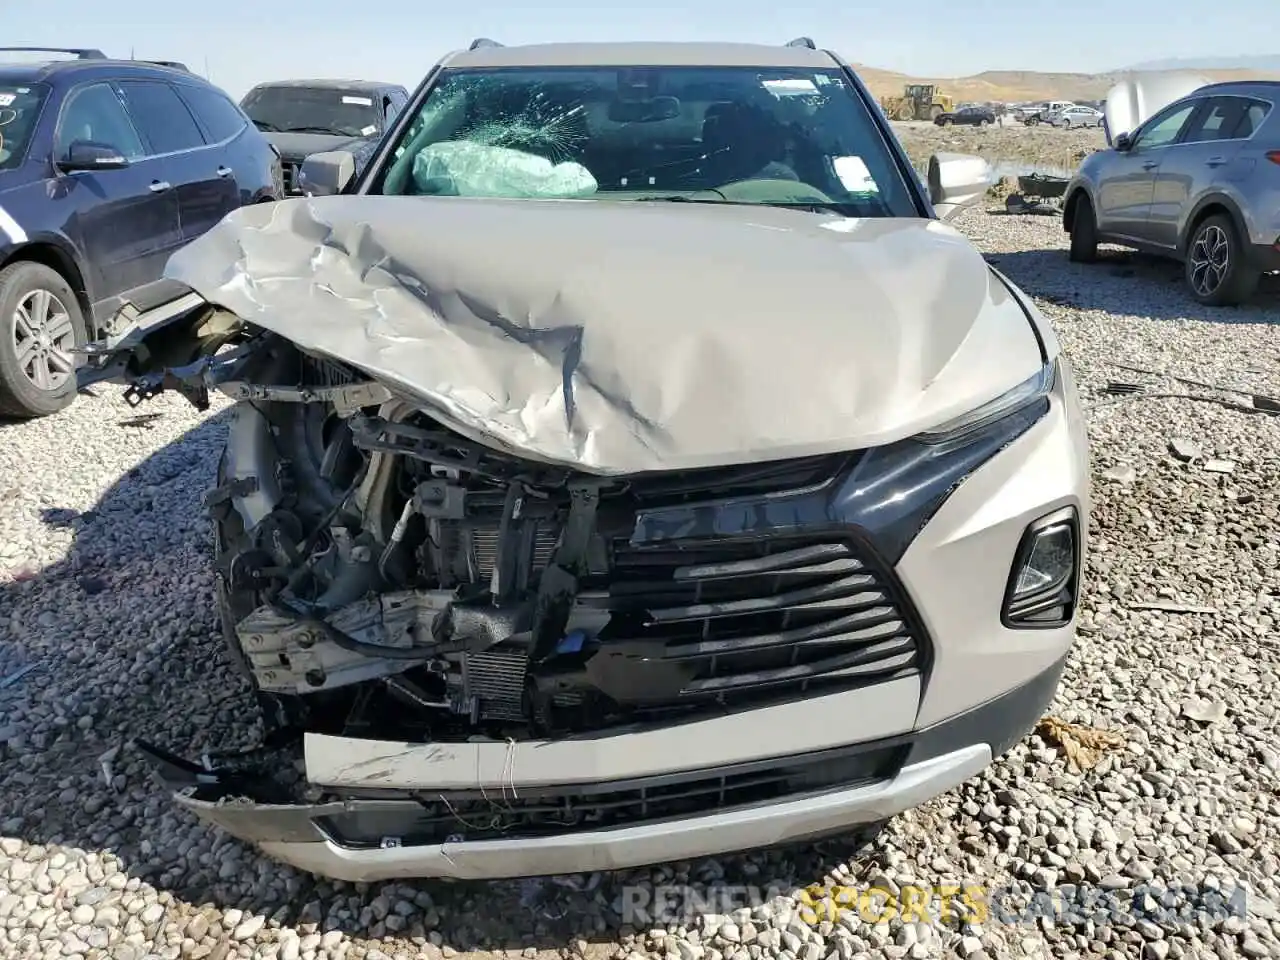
105 600
1040 146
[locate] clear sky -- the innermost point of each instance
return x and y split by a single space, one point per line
247 41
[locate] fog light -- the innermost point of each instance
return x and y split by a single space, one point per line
1043 584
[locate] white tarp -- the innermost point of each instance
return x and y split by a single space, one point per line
1141 95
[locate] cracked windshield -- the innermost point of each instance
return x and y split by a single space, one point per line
291 109
796 138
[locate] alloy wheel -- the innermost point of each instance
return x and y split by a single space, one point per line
1210 260
44 338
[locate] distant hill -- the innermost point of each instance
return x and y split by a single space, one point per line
1017 85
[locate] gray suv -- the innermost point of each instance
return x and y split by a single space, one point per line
1199 181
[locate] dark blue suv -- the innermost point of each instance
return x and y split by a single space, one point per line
106 168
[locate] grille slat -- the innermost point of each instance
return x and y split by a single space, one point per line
891 654
877 623
791 561
854 588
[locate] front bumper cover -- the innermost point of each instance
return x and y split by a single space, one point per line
925 764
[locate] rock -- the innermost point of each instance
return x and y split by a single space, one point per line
249 927
1204 711
1121 473
1184 450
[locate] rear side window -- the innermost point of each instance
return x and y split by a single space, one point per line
1254 113
160 114
220 117
1217 121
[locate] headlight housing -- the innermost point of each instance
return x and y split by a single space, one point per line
1034 388
893 491
1044 583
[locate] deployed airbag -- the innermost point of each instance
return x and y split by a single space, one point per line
467 169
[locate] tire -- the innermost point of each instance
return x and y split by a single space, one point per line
1066 124
1084 233
38 300
936 112
1216 268
984 123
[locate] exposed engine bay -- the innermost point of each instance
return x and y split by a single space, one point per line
379 575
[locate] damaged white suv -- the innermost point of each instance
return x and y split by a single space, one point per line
629 466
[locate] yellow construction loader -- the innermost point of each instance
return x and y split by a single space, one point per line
919 101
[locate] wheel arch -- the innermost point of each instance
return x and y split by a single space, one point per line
60 259
1069 205
1205 208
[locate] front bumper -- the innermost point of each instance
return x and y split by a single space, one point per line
836 760
927 763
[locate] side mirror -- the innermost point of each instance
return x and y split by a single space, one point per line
328 173
1124 142
957 180
89 155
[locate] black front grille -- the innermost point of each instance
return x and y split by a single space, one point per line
734 621
461 815
290 169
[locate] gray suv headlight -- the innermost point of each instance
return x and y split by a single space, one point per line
893 491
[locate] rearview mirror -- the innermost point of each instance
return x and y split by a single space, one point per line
326 174
644 111
956 180
91 155
1124 142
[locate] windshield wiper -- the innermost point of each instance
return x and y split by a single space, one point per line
314 130
811 206
267 127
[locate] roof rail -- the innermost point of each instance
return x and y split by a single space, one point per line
479 42
171 64
81 53
806 42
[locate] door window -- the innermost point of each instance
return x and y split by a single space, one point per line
94 113
1217 121
220 117
1165 128
165 121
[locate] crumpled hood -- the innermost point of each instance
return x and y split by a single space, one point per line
625 337
296 146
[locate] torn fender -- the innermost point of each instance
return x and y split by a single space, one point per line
618 337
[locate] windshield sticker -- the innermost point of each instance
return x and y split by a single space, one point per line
358 101
7 98
790 88
854 175
368 131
